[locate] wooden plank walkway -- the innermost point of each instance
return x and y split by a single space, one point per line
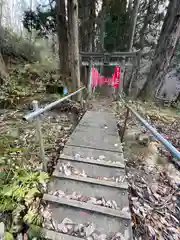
94 155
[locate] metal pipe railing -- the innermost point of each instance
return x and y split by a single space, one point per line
39 111
36 115
157 135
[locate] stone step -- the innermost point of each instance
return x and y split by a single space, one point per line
91 188
107 123
94 168
87 207
106 220
95 119
111 130
95 138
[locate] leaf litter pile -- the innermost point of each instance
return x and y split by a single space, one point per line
85 231
101 201
154 191
68 169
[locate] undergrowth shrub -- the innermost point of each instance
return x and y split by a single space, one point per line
16 46
21 191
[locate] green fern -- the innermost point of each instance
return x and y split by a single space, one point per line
33 217
35 232
8 236
7 204
32 193
19 191
42 177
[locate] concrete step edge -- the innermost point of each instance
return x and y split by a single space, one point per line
49 234
93 161
88 207
122 186
69 143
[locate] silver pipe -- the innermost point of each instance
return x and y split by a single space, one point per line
49 106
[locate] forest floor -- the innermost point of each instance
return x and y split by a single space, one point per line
21 165
154 180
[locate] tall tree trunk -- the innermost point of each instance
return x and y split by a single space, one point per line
62 35
122 30
167 42
3 71
87 16
74 43
130 5
53 44
53 35
84 17
92 18
102 30
102 25
133 24
1 11
146 21
129 81
87 19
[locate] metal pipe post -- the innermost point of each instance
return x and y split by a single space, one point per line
40 136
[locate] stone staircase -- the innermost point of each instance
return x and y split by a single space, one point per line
88 192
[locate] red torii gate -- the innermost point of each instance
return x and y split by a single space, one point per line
116 59
98 80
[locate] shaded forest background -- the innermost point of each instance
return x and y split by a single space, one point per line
149 27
